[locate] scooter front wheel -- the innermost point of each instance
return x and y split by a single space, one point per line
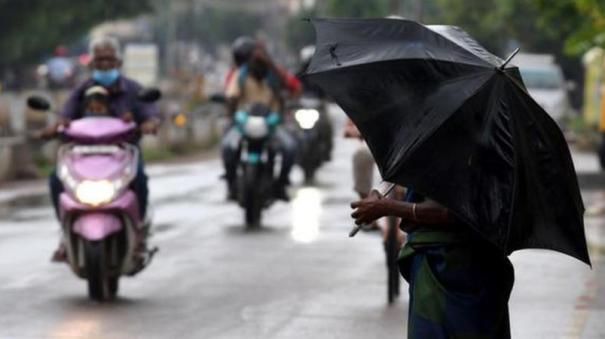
100 287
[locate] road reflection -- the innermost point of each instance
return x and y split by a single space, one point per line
306 211
83 326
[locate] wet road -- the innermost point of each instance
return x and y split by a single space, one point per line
299 277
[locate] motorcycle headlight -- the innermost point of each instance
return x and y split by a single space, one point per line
95 193
306 118
256 128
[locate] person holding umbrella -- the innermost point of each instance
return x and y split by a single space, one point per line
459 283
488 171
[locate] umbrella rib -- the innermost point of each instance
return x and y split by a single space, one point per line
342 67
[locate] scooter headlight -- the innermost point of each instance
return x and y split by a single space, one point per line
306 118
95 193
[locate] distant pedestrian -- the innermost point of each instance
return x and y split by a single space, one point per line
363 162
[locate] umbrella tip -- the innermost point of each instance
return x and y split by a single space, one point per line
501 68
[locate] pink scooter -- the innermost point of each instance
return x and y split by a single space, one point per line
102 229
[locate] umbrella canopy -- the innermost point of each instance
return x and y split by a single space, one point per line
452 121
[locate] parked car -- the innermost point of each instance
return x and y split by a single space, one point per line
545 82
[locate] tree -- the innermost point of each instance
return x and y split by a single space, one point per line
489 21
357 8
211 26
580 22
32 28
537 26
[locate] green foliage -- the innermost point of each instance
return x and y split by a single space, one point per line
357 8
487 20
581 23
537 26
211 26
32 28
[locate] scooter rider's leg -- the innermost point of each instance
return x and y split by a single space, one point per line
288 148
56 188
328 136
141 189
230 154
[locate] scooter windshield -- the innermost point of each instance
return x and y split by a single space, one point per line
93 130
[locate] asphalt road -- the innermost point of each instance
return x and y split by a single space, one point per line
300 276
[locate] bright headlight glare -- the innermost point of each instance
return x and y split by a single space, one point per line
306 118
95 193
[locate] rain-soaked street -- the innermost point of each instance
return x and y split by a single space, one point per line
298 277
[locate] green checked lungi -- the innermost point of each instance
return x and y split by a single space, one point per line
459 289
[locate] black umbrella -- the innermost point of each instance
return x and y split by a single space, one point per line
448 119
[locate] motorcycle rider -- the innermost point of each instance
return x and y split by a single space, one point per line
310 89
243 48
60 69
258 80
121 101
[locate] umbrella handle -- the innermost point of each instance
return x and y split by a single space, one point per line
384 191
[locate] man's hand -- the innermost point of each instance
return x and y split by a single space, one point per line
46 133
351 130
128 117
260 53
50 132
149 127
368 209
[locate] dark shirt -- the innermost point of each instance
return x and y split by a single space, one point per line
122 99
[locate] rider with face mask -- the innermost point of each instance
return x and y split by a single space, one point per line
258 80
122 101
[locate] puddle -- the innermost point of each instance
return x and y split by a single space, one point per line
306 212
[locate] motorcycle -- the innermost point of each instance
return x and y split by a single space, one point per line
314 131
99 214
255 174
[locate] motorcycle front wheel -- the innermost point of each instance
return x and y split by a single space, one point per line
253 201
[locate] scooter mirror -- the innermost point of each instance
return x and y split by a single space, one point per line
150 95
38 103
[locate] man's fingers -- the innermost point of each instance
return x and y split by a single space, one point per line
355 204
